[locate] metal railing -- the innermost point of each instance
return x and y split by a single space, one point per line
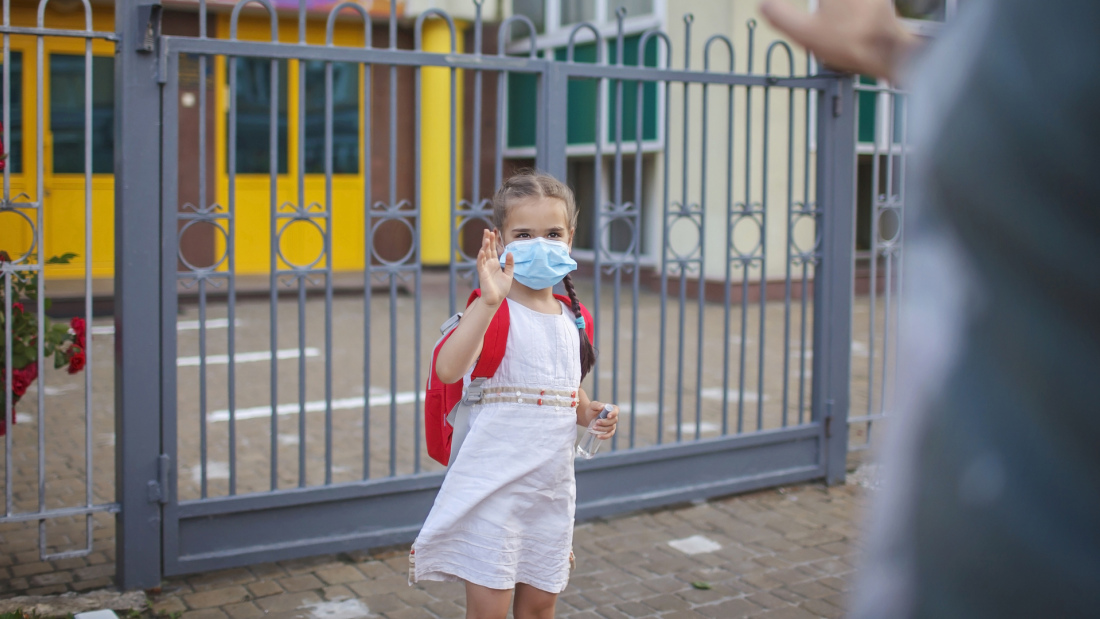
31 440
888 152
728 381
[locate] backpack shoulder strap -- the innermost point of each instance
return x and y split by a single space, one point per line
589 323
496 340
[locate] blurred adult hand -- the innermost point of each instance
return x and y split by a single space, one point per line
861 36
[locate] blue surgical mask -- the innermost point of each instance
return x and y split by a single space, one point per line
539 263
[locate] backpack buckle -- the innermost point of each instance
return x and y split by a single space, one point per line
473 392
451 323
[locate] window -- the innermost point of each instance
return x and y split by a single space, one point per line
933 10
254 116
577 11
559 16
67 113
535 10
926 17
633 7
581 128
14 146
345 118
617 234
630 92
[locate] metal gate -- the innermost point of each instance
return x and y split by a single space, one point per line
720 277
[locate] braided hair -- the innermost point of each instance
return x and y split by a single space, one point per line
527 184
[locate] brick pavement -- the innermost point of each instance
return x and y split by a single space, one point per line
784 553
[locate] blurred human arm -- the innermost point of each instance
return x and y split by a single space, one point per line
862 36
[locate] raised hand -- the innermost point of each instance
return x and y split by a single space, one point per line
863 36
495 281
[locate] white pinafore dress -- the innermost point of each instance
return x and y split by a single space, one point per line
504 514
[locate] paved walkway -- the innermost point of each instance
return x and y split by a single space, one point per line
783 553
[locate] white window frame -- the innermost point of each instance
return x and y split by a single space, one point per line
931 28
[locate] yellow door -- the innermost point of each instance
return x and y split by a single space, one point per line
67 199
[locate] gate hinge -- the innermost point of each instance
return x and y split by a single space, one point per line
836 106
148 16
828 418
158 488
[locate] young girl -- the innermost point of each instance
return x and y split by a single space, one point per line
503 519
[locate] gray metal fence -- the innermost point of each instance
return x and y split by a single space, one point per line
66 449
874 393
264 417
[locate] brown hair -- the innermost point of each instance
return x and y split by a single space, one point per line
528 184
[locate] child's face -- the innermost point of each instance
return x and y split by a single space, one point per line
537 217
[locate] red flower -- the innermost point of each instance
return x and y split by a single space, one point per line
4 257
17 307
79 331
76 361
22 378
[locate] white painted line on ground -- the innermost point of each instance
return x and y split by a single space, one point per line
183 325
247 357
643 409
859 349
214 470
96 614
51 390
696 544
688 427
257 412
715 393
338 608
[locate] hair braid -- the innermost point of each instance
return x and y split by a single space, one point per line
588 352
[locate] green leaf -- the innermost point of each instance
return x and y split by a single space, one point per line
699 584
62 259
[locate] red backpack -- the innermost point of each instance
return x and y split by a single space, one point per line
442 398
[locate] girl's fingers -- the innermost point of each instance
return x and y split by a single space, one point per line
509 263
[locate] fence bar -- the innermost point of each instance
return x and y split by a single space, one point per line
39 236
790 230
636 268
745 261
665 207
392 205
808 209
368 246
137 305
701 282
616 212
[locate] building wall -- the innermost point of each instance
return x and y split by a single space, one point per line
730 18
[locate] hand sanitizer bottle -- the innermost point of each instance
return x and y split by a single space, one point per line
590 442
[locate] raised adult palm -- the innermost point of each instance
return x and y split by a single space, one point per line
495 281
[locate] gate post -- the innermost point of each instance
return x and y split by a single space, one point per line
833 285
137 296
